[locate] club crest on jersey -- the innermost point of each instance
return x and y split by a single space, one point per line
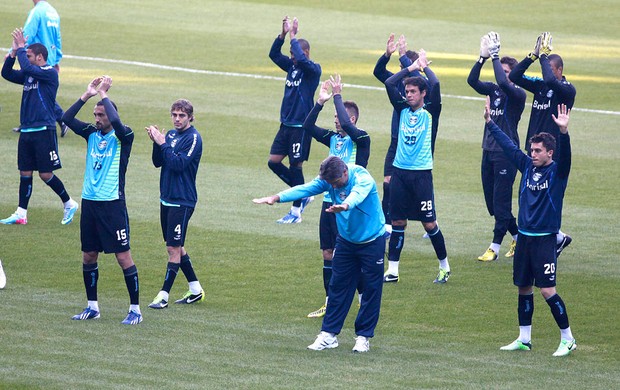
293 74
413 120
497 102
339 145
102 144
342 195
536 176
30 79
550 93
173 143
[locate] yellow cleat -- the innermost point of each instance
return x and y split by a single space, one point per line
489 255
318 313
511 251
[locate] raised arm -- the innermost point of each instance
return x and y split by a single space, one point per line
380 72
391 86
565 158
320 134
511 150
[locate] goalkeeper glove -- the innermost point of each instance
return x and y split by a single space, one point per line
536 52
545 43
484 47
494 44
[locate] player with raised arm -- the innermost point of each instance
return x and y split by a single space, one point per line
497 172
541 196
411 187
550 91
302 79
37 149
104 226
349 143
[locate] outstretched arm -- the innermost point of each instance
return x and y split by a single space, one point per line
564 161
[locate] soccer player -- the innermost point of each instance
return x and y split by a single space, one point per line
549 92
411 186
349 143
37 149
43 26
104 225
359 249
541 194
497 172
302 80
178 153
432 101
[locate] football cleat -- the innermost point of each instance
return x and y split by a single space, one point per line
87 314
133 318
517 345
159 302
566 347
489 255
2 277
562 245
442 276
511 251
190 298
305 202
361 344
324 341
67 217
318 313
390 278
14 219
289 218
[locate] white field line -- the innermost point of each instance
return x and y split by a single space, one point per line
263 77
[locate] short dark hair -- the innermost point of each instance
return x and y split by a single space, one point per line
510 61
557 60
185 106
100 103
412 55
417 81
547 140
332 168
305 45
352 108
37 49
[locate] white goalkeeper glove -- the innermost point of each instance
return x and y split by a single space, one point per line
494 44
484 47
545 43
534 54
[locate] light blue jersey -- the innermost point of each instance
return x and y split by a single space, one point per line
342 147
103 157
414 140
43 26
364 221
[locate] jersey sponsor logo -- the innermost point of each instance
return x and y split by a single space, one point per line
496 112
295 83
537 186
541 106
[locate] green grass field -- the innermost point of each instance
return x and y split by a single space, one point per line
262 279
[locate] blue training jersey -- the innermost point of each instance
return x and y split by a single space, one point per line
413 151
179 158
39 91
364 220
107 154
43 26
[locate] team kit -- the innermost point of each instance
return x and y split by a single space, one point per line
357 226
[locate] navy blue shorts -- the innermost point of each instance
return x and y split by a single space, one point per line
174 221
328 229
412 196
38 151
293 142
104 226
535 261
